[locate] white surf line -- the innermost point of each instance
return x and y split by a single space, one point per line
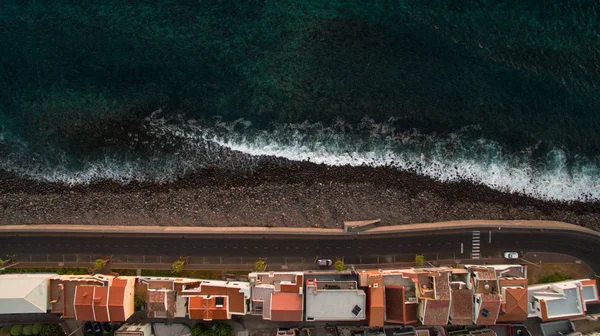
475 245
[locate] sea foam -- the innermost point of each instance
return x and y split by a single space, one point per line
237 146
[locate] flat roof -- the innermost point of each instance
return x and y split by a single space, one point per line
568 305
335 305
589 293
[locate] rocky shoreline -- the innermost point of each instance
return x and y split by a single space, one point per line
299 194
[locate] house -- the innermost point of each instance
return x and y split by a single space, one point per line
484 284
461 309
470 331
400 296
334 300
277 296
561 300
391 296
63 287
433 292
135 329
214 299
376 299
512 281
161 297
113 303
24 293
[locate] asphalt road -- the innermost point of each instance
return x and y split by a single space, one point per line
444 243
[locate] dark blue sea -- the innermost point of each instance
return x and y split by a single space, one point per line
500 93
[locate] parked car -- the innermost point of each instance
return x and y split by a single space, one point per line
107 327
324 262
97 328
89 328
511 255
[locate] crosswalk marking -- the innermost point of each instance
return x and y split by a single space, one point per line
475 245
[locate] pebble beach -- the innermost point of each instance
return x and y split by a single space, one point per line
298 194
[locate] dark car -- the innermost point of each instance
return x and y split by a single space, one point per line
107 327
89 328
97 328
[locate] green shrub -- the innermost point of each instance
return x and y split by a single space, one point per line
177 267
555 277
420 260
217 329
260 265
99 264
139 302
36 328
51 330
223 329
27 330
339 265
202 330
5 330
16 330
127 272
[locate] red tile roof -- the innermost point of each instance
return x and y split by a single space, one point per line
84 295
436 312
286 307
116 300
514 308
236 300
491 303
100 305
205 308
462 307
376 312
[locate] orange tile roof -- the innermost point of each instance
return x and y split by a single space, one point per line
100 305
84 295
116 300
437 312
286 307
236 301
376 313
205 308
514 308
462 307
491 303
119 282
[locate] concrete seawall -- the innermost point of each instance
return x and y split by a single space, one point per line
268 231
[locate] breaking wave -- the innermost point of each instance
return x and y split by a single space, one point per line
178 147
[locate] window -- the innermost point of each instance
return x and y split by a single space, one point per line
219 302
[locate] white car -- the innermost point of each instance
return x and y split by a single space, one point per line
511 255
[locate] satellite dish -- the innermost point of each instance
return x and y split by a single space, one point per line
486 286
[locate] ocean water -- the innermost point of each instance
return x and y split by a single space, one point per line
502 93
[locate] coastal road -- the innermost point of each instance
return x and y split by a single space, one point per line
442 244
